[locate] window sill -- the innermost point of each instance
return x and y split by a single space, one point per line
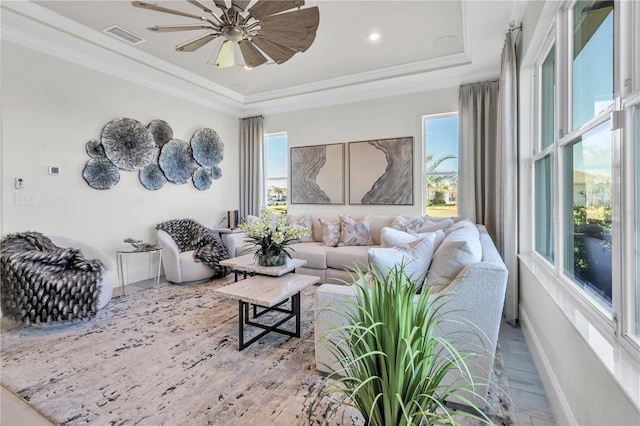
620 361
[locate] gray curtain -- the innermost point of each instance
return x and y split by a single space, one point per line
251 166
488 168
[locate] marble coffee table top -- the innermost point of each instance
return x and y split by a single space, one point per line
267 291
248 263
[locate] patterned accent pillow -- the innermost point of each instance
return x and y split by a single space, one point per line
303 221
408 224
355 232
330 233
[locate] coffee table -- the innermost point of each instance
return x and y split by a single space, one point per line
248 265
270 293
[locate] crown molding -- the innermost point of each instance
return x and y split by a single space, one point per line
30 25
33 26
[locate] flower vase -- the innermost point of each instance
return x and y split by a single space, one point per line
272 260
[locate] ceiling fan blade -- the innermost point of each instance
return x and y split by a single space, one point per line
275 51
196 3
221 4
171 28
300 44
150 6
303 20
197 43
252 56
270 7
240 4
226 56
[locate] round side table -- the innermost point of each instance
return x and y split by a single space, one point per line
154 255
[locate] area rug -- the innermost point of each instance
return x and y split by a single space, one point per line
169 356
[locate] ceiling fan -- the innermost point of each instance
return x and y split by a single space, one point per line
266 30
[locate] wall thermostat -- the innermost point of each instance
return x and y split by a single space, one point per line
54 170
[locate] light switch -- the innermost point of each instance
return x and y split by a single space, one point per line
26 197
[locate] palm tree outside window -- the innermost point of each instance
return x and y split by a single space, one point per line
441 164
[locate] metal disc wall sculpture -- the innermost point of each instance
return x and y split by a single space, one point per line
202 178
95 149
161 131
208 149
152 177
176 161
128 145
100 173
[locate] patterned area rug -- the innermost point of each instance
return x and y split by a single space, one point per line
170 356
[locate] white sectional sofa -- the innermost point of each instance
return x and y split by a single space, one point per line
330 264
465 265
473 315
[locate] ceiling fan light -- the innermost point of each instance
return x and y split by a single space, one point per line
232 33
226 56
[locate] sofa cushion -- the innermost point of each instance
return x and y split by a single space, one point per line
314 253
355 232
416 257
393 238
459 249
330 233
346 257
303 221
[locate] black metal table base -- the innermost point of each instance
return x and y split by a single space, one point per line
243 319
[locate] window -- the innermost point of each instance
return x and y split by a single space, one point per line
585 162
592 59
548 99
587 201
544 237
276 171
441 164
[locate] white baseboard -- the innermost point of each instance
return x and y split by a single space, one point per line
559 404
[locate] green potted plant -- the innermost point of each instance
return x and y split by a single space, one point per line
392 362
271 236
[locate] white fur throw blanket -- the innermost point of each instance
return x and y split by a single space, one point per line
42 282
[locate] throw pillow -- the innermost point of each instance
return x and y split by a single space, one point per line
416 257
303 221
434 226
464 224
355 232
390 237
408 224
330 233
458 250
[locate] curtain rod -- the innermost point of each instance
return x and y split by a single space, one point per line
481 82
255 116
516 28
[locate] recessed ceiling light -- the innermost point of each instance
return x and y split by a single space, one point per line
374 36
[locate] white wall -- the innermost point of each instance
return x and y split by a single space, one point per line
392 117
51 108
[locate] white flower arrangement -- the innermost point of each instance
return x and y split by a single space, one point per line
271 236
